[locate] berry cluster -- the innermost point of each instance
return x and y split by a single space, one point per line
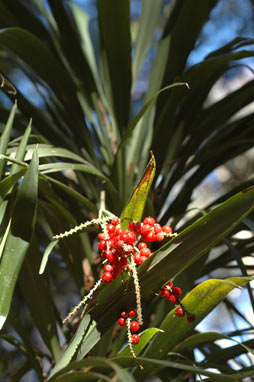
125 320
117 245
173 294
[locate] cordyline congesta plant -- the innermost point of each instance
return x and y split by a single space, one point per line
123 251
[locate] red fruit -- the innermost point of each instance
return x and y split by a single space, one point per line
107 277
159 236
101 236
135 339
120 243
136 258
170 284
162 292
101 245
191 318
124 314
179 311
173 299
157 228
167 229
124 236
110 256
123 262
121 321
131 225
151 236
111 228
145 228
145 252
132 313
149 220
166 293
131 237
177 291
108 268
134 326
115 221
119 231
142 245
142 259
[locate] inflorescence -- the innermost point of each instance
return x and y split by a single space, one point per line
124 250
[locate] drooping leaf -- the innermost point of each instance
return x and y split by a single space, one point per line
18 239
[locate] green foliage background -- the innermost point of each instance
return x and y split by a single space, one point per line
81 140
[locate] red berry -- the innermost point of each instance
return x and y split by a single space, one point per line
111 228
145 228
107 277
149 220
120 243
170 284
119 231
167 229
115 221
179 311
132 313
142 245
101 245
110 256
142 259
145 252
177 291
136 258
173 299
108 268
131 237
151 236
131 225
159 236
135 339
191 318
166 293
134 326
123 262
124 314
101 236
157 228
121 321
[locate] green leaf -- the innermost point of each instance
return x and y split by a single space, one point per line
144 108
20 152
200 301
135 206
36 293
200 338
114 22
15 322
158 364
97 363
7 183
5 137
18 239
46 254
150 14
39 57
70 42
145 337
